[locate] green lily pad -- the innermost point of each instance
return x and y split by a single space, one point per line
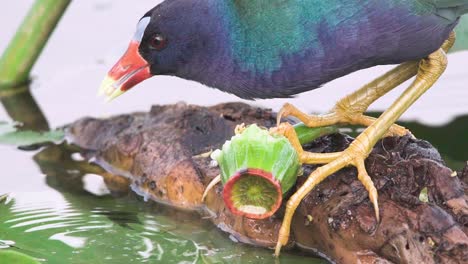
14 257
9 135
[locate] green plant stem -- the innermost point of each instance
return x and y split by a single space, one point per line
307 134
31 37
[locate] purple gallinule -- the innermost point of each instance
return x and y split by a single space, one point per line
279 48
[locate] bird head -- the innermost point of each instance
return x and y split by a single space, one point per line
164 42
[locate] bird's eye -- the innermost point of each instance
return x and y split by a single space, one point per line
158 42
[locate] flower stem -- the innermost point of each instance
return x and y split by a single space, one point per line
307 134
31 37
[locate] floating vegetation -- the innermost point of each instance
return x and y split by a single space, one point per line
10 135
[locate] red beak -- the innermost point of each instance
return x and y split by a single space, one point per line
130 70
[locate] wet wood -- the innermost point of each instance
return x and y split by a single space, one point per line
160 154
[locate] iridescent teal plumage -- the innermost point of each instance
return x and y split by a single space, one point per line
263 31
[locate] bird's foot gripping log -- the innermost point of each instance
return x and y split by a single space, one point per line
428 72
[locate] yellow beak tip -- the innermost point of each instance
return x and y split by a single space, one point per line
115 94
109 89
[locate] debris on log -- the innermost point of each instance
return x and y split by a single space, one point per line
424 210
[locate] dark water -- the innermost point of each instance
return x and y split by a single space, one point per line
59 213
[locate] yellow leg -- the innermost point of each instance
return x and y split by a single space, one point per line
429 71
288 131
350 109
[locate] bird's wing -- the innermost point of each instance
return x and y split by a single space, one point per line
455 8
448 3
451 8
462 35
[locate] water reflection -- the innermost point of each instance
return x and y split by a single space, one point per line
73 224
22 108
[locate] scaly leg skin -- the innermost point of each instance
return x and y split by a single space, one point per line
288 131
350 109
429 71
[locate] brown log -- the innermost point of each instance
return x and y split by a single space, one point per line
159 152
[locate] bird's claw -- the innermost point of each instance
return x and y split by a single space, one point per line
366 180
354 155
283 238
282 129
284 112
210 186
